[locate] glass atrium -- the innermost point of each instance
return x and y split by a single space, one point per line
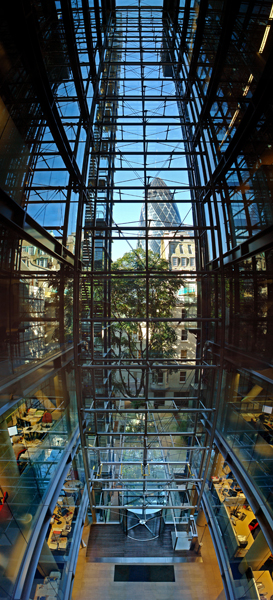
136 290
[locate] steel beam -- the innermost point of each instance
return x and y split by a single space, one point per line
262 241
98 23
201 21
125 434
135 366
141 410
186 15
117 319
89 40
149 479
107 6
260 101
17 219
230 12
171 7
71 42
175 449
149 462
120 490
149 506
28 380
23 24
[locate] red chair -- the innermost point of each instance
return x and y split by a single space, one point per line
47 417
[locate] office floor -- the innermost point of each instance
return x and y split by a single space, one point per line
193 581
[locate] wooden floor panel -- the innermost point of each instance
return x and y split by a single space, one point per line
94 580
109 541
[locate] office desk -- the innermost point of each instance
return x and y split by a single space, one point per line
248 416
239 527
264 577
73 485
225 485
32 451
32 443
60 528
35 431
220 487
48 591
50 587
33 420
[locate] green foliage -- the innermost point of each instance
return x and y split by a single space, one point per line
136 294
137 404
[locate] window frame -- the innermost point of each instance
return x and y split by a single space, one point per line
182 376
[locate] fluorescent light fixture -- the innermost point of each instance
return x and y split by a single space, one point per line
234 118
246 90
267 29
230 125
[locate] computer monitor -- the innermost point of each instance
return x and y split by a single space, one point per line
235 500
232 492
13 430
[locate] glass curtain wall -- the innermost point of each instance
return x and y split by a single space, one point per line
113 104
236 197
47 78
43 146
222 53
139 440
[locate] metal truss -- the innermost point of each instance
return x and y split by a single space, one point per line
136 117
149 123
106 101
115 101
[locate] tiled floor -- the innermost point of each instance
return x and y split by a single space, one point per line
193 581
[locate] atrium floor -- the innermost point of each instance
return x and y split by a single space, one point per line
193 581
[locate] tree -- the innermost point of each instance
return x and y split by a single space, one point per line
129 297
